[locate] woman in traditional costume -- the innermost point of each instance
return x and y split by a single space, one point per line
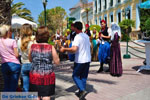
115 53
94 37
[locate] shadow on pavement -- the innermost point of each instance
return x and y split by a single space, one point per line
89 88
142 71
102 81
59 92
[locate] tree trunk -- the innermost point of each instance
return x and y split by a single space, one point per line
5 15
5 18
87 15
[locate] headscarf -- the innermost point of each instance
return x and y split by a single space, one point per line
115 28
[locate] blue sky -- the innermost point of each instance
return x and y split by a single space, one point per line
36 6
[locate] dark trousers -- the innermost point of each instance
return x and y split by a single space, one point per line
80 74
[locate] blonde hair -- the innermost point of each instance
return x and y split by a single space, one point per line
4 30
26 33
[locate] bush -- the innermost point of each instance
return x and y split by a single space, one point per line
147 26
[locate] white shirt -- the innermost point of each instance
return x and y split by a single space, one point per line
83 54
24 54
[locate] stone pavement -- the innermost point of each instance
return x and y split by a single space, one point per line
102 86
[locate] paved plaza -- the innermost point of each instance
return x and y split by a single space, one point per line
102 86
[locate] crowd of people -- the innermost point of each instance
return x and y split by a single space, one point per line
33 58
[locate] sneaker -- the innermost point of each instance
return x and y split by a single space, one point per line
82 95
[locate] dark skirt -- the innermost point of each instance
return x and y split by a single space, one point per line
115 55
43 84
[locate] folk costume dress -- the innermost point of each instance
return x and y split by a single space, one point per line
42 77
94 37
115 55
104 47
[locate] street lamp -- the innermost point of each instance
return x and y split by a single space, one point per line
125 13
44 5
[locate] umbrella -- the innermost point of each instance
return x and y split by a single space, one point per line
145 4
17 22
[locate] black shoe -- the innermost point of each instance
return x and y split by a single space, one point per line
100 70
107 70
82 95
77 93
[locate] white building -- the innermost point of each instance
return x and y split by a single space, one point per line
116 11
79 12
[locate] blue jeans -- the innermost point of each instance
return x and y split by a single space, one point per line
25 76
80 74
11 72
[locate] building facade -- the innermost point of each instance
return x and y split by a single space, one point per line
79 12
116 11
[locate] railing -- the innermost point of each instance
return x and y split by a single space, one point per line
139 51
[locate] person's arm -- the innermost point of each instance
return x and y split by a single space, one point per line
16 52
107 37
29 55
15 49
73 49
55 56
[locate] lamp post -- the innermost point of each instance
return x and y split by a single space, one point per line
126 56
44 5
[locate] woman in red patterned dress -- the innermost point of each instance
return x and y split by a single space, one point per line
41 55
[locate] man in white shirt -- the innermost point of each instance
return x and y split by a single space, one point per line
81 48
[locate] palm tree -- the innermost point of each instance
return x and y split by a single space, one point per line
5 8
21 12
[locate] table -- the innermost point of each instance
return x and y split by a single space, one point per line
147 49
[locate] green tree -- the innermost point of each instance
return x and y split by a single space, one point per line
126 27
54 19
147 26
17 8
144 15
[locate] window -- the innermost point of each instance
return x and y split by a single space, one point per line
96 6
105 4
111 3
96 21
105 19
119 17
111 17
100 5
128 14
100 20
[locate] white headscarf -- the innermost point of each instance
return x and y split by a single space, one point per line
115 28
